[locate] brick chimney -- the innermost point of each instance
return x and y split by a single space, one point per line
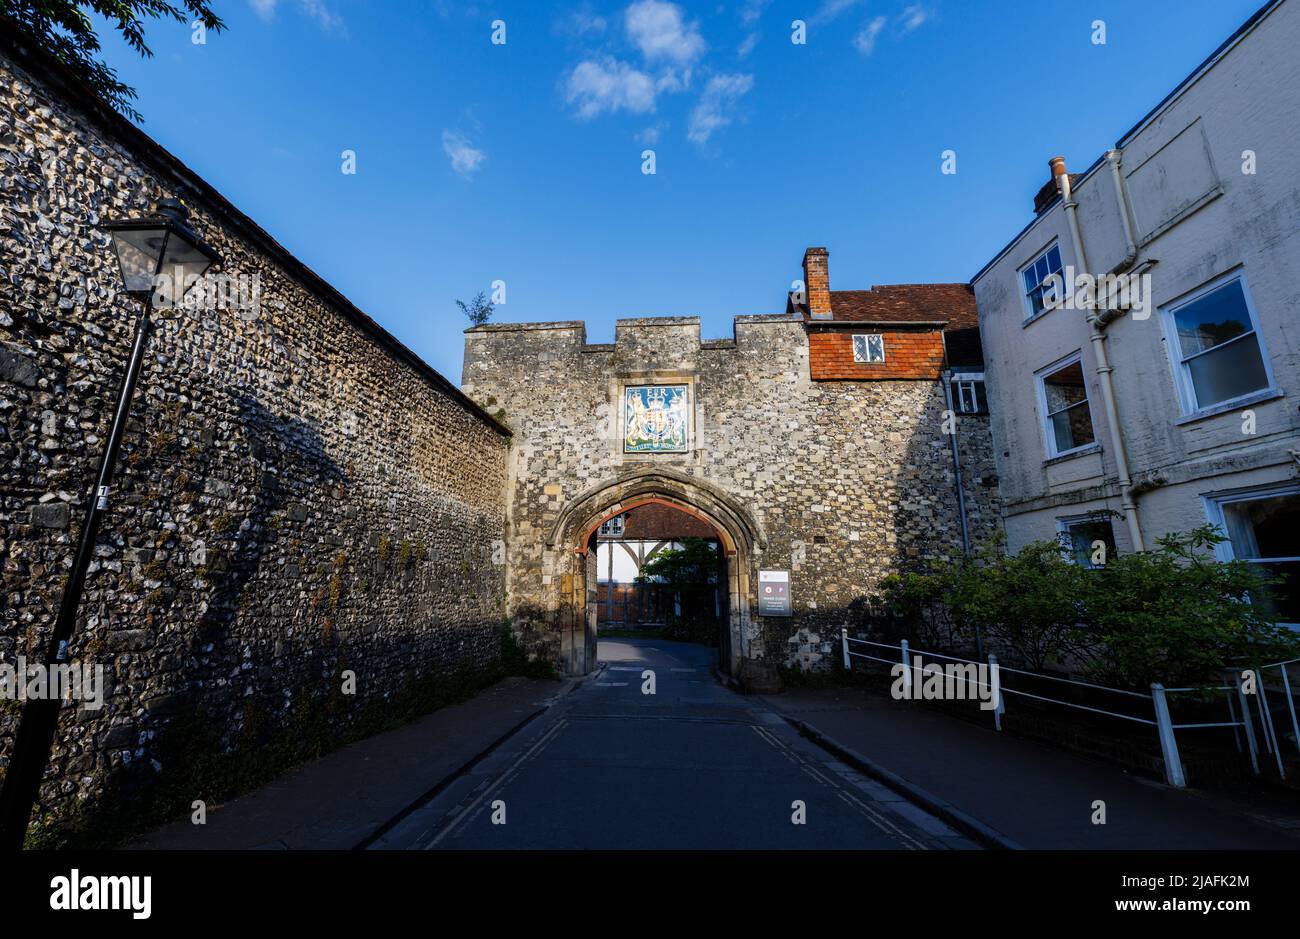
1052 189
817 282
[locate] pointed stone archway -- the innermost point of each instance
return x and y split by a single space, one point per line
573 534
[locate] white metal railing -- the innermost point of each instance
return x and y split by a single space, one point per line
1266 713
902 654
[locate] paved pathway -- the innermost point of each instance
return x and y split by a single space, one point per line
694 765
342 798
1036 795
603 765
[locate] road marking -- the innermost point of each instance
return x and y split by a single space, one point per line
766 738
611 684
880 820
501 780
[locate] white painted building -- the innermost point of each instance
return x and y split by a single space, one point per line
1200 200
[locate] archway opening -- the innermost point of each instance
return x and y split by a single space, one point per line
575 573
660 572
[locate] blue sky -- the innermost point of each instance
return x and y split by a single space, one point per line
522 162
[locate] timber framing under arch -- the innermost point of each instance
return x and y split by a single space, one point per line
689 494
573 533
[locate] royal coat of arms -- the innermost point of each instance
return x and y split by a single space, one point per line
655 419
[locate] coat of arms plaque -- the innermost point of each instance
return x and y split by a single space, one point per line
656 419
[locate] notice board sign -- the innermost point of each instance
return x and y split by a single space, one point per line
773 593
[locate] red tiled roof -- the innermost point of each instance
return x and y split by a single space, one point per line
916 303
904 303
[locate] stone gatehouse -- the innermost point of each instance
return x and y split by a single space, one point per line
818 442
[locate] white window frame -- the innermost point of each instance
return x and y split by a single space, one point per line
868 336
1182 372
1214 503
1063 528
1045 421
613 527
962 380
1028 304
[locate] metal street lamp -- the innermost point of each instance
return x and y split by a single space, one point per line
149 250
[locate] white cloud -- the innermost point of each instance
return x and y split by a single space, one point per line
650 135
752 10
671 81
609 85
465 158
670 49
750 13
720 94
582 21
316 9
661 32
322 14
831 9
913 17
865 40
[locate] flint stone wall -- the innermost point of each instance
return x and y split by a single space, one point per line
298 495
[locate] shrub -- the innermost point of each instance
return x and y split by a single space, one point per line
1177 615
1174 614
914 607
690 571
690 574
1025 605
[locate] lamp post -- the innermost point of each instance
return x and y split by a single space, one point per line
145 248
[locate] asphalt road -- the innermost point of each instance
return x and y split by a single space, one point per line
691 766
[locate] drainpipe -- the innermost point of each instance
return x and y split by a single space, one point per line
946 377
1113 157
1097 321
956 462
